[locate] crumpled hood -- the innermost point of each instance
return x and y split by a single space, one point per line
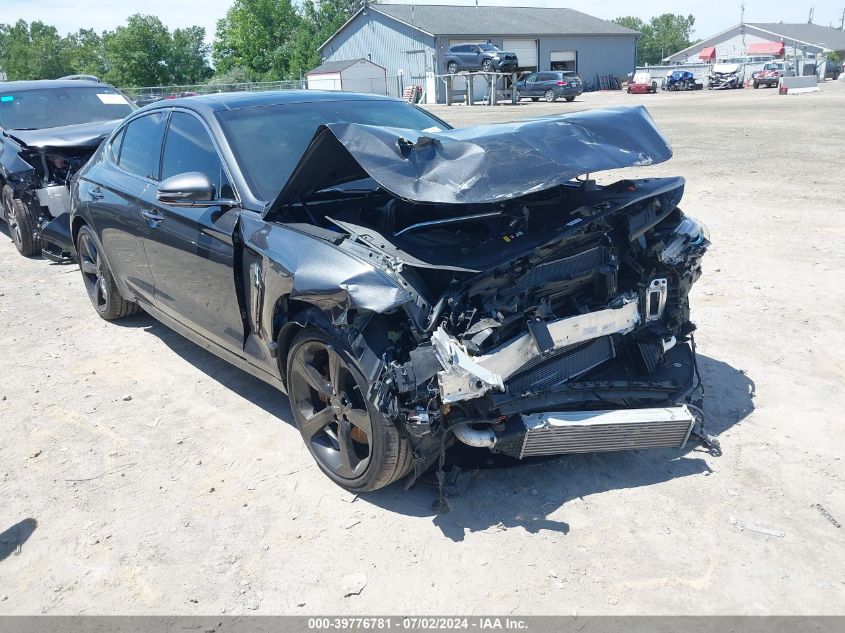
84 135
479 164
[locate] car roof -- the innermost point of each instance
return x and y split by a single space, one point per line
36 84
233 100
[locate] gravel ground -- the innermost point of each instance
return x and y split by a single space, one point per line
141 475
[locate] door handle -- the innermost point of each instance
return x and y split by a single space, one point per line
96 194
152 218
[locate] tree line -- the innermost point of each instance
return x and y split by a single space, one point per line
659 37
257 40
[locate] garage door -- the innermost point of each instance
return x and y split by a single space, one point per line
564 60
526 52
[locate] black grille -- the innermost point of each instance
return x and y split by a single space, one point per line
548 372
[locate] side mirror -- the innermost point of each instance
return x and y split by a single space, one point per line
191 189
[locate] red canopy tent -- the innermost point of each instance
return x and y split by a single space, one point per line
766 48
707 53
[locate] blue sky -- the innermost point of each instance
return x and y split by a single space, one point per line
70 15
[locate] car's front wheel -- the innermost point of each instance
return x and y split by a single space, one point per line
452 68
22 224
354 444
550 95
98 279
487 66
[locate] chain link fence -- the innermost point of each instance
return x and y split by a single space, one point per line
150 92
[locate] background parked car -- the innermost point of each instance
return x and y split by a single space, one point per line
486 57
831 70
49 130
550 85
642 83
147 100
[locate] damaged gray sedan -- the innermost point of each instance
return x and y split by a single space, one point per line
407 284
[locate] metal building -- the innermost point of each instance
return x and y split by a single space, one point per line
757 38
352 75
409 41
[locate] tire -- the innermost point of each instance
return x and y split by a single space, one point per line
487 66
550 96
535 99
757 85
570 99
98 280
22 223
326 388
518 96
452 68
654 87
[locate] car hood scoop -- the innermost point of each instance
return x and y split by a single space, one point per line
479 164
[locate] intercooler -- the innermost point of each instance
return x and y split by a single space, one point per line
597 431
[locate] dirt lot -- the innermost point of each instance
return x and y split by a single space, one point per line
164 481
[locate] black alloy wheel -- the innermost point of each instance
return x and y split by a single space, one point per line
352 442
452 68
21 223
487 65
98 280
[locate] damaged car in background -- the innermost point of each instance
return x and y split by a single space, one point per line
48 130
409 285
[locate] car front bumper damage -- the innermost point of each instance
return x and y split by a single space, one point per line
583 342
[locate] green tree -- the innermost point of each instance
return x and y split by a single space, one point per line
32 51
138 53
145 53
273 40
660 37
256 35
188 56
86 54
320 19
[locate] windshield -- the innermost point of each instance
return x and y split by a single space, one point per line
268 141
55 107
487 47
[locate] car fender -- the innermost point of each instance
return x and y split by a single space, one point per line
284 264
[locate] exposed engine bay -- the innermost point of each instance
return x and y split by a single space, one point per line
39 172
573 298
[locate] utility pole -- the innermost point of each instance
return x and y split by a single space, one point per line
842 21
742 24
810 18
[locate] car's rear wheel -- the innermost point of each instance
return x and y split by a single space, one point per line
22 223
550 96
452 68
487 66
353 443
98 280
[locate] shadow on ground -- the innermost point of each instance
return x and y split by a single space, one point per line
503 493
12 539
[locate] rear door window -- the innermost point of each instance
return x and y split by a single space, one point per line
141 146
